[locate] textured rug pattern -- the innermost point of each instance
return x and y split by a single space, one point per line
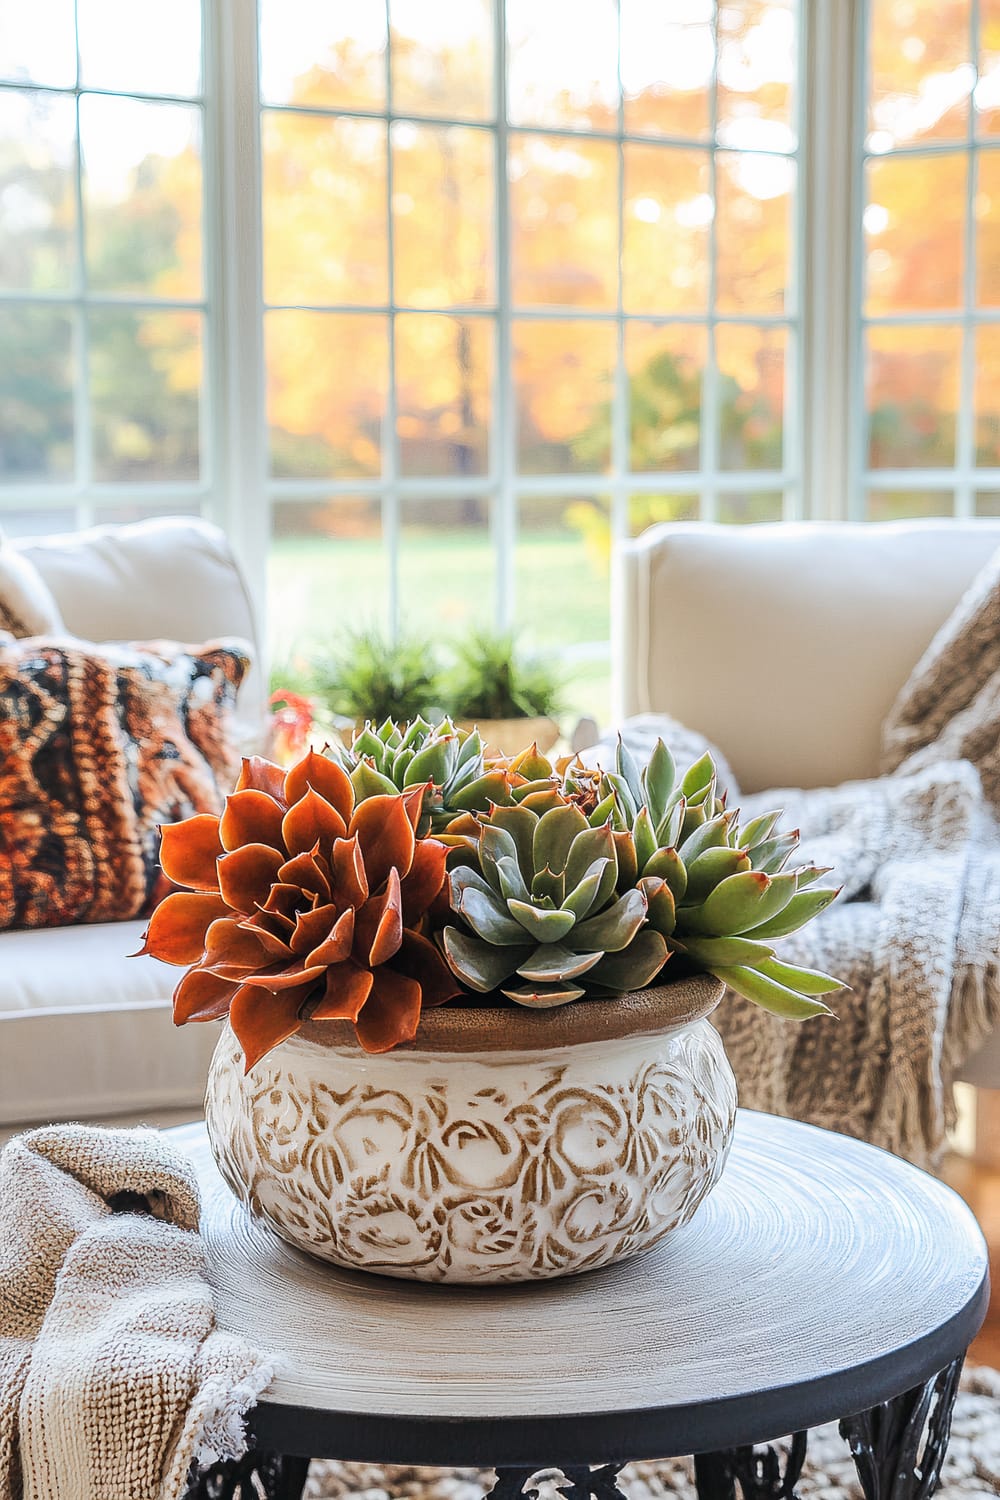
971 1469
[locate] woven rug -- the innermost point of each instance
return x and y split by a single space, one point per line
972 1467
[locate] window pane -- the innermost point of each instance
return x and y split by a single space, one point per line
665 365
668 219
987 503
914 232
988 229
563 374
751 379
38 43
443 377
564 207
920 70
142 196
666 64
37 191
563 568
740 509
39 522
323 553
753 218
906 505
326 385
442 203
563 58
125 515
987 405
442 57
36 397
446 566
145 383
987 96
147 49
327 56
650 510
912 383
324 210
757 45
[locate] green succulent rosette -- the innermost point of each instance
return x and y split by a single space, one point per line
396 757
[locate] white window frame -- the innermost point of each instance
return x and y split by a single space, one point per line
822 432
963 478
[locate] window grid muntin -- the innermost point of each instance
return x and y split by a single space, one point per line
503 483
85 494
963 478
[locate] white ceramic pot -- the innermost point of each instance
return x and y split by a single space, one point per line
503 1145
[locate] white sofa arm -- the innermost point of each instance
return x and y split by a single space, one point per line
786 644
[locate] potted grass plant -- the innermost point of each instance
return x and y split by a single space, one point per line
512 697
366 677
464 999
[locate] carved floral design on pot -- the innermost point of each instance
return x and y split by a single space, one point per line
506 1166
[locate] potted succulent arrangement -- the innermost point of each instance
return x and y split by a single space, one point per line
514 699
465 998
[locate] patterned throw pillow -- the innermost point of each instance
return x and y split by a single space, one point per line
99 744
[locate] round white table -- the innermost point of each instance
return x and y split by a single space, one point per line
821 1279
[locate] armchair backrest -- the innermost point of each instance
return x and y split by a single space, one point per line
787 643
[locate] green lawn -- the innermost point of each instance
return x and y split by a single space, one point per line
446 582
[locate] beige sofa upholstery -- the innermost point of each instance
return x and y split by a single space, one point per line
84 1029
786 644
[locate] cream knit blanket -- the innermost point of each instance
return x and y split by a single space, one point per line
916 932
113 1375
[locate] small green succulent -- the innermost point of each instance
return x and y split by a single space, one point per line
732 894
393 757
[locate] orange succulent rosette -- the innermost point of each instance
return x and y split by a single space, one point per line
300 906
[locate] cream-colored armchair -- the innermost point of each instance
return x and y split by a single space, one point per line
787 644
85 1030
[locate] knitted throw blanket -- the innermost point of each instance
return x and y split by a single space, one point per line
113 1375
916 932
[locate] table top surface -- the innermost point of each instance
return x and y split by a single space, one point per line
820 1276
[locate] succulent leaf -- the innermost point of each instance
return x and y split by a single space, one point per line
794 977
482 966
658 779
661 907
760 828
542 926
803 906
554 835
586 893
615 927
769 995
551 963
544 997
722 950
705 872
635 966
489 917
668 864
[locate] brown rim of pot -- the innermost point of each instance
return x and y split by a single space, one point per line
515 1028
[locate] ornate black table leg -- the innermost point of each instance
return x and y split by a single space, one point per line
579 1483
757 1471
898 1448
277 1477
